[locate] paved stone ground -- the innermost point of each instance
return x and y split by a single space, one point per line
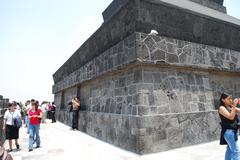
60 143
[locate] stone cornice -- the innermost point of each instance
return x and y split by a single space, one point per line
139 48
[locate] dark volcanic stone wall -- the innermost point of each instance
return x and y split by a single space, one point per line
149 134
161 93
3 107
142 17
149 93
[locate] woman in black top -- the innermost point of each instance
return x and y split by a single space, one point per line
228 115
53 112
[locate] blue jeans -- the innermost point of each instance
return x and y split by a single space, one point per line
232 152
27 123
34 135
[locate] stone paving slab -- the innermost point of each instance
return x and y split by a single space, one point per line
60 143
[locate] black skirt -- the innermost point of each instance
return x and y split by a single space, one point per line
12 132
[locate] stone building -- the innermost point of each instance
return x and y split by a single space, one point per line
3 106
149 93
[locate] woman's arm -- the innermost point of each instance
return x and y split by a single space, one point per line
237 110
223 111
4 120
4 123
40 115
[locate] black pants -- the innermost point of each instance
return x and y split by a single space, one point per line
75 119
53 117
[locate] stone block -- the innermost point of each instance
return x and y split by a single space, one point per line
138 76
143 110
147 77
163 109
158 55
156 78
175 106
201 107
153 110
142 51
202 98
174 136
134 110
151 100
172 58
132 90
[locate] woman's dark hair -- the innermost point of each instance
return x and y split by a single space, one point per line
35 104
9 105
223 96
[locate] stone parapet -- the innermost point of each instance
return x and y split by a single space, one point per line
164 132
113 8
219 2
148 134
116 5
214 4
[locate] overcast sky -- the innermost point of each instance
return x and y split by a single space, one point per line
38 36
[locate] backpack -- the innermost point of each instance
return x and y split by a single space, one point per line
4 155
17 122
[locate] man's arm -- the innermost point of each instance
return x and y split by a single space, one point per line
76 102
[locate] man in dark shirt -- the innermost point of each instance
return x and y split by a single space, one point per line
75 109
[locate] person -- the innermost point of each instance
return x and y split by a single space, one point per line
35 116
75 108
27 107
44 111
53 112
49 108
16 106
11 131
4 155
229 119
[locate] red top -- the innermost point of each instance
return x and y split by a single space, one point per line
34 120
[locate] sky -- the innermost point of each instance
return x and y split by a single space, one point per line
38 36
